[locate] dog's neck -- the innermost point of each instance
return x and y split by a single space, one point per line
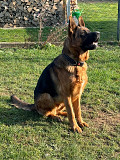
77 54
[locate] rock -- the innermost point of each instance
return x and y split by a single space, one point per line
1 20
56 1
29 9
26 0
1 15
16 21
21 8
6 7
6 25
7 14
4 4
14 3
28 3
54 7
25 18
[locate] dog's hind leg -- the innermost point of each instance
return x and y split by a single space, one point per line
45 106
62 113
52 114
60 110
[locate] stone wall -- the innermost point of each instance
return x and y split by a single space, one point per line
26 13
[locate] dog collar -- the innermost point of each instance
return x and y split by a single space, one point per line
72 61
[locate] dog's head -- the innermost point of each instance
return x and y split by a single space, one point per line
80 37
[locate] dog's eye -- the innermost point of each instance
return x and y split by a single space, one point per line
83 35
85 32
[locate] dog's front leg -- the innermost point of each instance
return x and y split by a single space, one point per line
71 115
77 110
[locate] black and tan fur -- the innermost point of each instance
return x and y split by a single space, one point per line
61 84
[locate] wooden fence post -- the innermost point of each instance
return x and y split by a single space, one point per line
40 31
64 12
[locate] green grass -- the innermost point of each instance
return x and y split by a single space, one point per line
19 35
23 34
27 135
97 16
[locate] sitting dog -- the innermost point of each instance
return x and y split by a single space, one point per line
62 82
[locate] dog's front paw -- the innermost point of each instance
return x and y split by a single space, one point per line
83 124
76 128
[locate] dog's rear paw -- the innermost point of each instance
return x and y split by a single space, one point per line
56 118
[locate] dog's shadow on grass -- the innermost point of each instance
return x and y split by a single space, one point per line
13 116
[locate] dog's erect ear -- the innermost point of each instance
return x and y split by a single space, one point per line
81 22
71 27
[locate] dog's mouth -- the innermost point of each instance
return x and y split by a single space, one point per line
95 43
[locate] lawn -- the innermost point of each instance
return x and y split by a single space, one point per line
27 135
23 34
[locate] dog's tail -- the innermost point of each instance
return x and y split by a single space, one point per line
22 105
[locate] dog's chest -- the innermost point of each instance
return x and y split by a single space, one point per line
78 79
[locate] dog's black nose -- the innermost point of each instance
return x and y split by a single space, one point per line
98 34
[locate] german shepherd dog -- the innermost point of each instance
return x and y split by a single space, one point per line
62 82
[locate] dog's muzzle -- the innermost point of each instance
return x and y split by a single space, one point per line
91 41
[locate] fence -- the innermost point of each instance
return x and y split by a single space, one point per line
98 16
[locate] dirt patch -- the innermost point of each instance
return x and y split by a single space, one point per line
107 119
101 120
